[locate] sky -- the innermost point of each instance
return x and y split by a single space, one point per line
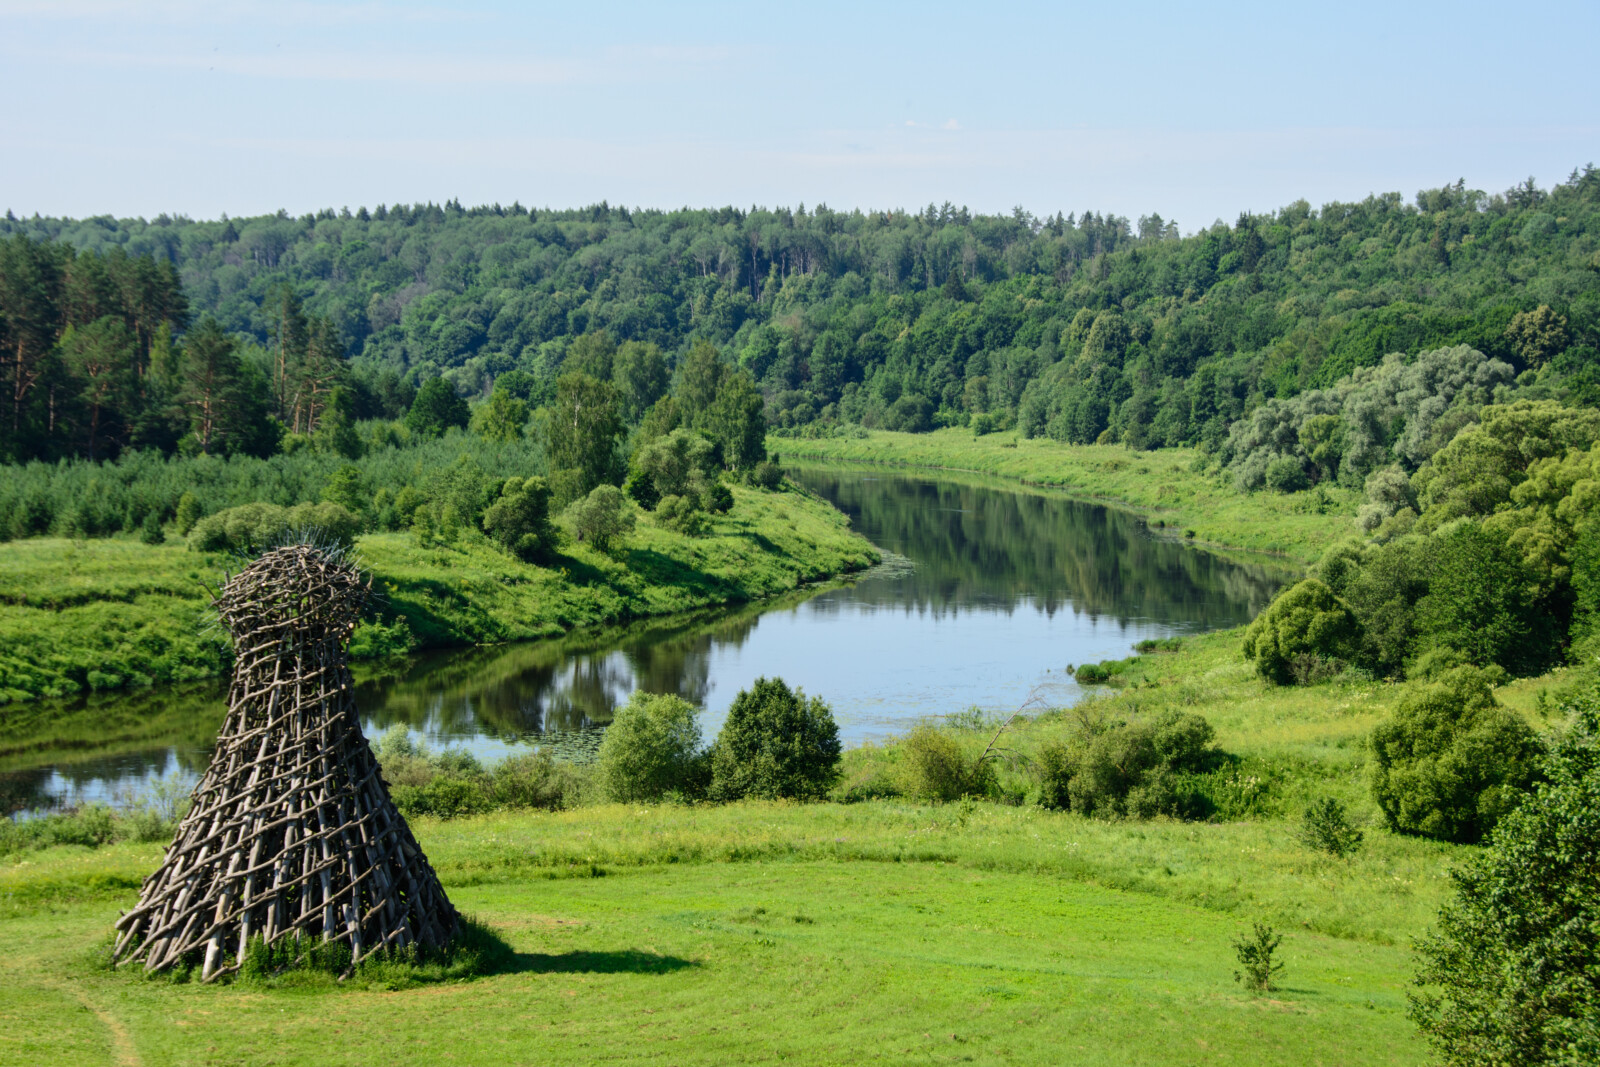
1193 111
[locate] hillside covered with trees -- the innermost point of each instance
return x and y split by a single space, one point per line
1084 327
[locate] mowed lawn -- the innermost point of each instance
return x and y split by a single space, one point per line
931 959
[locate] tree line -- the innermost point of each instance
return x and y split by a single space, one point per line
1082 327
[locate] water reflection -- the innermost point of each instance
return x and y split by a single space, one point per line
986 593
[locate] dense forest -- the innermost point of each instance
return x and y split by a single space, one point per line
1084 327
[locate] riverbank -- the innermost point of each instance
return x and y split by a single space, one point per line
114 613
1164 486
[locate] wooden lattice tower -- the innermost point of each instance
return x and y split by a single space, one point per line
292 833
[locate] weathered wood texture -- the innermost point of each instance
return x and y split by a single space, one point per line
292 833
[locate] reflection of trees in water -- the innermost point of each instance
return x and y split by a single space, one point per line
973 546
977 545
568 684
106 739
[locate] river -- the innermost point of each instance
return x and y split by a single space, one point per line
986 594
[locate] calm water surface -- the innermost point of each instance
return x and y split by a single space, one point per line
986 594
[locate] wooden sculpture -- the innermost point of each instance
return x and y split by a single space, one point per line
292 833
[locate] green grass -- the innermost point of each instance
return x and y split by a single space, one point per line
831 933
111 614
752 933
1163 485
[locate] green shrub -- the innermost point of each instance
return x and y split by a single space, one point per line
603 518
767 475
1254 952
643 490
376 639
95 825
651 749
1304 627
1103 672
933 767
679 463
189 513
1286 475
1159 644
451 782
717 497
436 409
444 796
682 514
249 528
1127 769
1326 828
1450 761
536 780
775 743
151 532
519 519
1511 974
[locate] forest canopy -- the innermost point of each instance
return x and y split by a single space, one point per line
1085 327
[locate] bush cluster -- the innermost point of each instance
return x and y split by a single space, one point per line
775 744
452 783
1481 557
250 528
1132 769
1304 633
933 766
652 751
153 819
1451 761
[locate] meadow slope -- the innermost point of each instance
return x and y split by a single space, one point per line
113 613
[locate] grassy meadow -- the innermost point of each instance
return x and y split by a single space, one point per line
882 930
755 933
1167 486
113 613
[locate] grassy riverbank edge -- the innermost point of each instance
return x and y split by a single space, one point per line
112 614
1165 486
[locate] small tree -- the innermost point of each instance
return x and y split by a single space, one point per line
1325 828
1450 761
1304 625
436 409
502 418
677 464
189 513
1126 769
1512 973
151 532
776 743
1255 957
651 748
347 488
520 519
581 435
603 518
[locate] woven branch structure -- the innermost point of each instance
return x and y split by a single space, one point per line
292 833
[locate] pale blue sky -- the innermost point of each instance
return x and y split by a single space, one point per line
1194 111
